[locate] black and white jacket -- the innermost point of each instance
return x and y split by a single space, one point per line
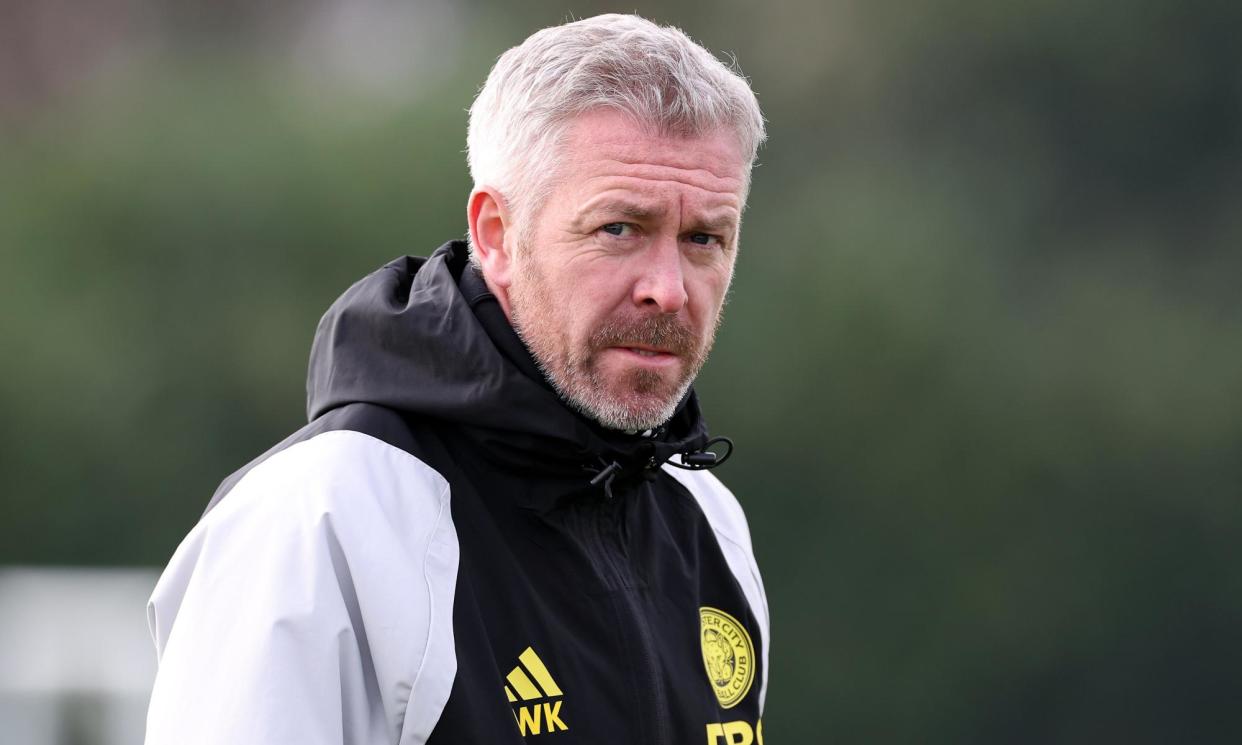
429 561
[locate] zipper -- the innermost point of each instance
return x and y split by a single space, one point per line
605 532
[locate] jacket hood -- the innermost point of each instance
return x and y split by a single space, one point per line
425 337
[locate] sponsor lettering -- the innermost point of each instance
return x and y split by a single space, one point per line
540 718
735 733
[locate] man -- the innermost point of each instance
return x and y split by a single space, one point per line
496 526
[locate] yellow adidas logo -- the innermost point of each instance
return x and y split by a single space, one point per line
531 681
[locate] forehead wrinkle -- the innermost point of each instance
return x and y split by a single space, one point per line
652 187
673 166
633 209
696 177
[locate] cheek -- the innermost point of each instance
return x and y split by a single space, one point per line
711 288
570 315
589 298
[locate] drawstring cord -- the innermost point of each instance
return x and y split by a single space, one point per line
703 459
606 475
695 460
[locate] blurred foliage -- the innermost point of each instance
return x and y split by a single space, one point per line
981 359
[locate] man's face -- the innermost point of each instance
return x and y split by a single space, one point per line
618 286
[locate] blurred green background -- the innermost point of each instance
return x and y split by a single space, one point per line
982 360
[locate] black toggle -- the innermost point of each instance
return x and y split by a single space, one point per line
606 475
702 459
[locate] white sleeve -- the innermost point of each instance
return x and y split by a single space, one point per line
312 605
728 521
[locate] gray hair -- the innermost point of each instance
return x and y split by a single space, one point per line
656 74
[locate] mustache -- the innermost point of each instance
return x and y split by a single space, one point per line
665 332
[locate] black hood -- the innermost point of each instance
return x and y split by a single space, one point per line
426 338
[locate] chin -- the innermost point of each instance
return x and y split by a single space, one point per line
630 401
632 411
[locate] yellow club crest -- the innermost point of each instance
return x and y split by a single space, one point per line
728 655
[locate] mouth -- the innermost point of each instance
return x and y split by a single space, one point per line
648 351
647 355
657 343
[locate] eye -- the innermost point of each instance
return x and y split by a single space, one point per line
618 229
705 239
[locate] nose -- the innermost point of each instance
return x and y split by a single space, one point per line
661 283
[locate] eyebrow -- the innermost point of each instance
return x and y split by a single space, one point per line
716 224
639 212
632 210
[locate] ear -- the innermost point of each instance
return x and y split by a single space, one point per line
490 224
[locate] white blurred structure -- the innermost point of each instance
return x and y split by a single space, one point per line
76 661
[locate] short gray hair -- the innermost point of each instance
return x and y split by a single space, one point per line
656 74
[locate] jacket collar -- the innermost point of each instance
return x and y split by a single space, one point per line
426 337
